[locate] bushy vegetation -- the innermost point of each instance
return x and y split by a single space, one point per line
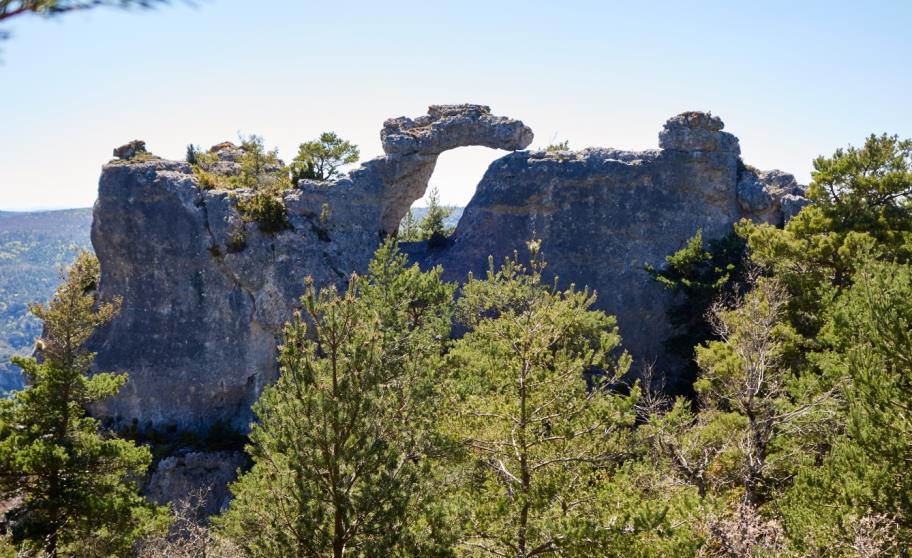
323 158
253 167
526 436
267 210
256 168
698 275
433 226
557 147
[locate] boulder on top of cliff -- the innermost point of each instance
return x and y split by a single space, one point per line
697 131
129 150
225 148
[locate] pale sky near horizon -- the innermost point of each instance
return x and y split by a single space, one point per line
793 80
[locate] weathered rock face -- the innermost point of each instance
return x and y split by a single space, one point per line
201 315
204 476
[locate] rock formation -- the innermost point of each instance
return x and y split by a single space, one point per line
205 476
202 312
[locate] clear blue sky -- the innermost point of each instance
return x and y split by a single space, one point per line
791 79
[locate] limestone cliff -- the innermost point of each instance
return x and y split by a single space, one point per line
201 315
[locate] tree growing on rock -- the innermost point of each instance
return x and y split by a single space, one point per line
260 169
408 227
78 483
433 226
531 409
699 273
322 159
342 443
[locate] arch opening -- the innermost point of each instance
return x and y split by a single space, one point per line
454 180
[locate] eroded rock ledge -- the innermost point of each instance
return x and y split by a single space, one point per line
201 316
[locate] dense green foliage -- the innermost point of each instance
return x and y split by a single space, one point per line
529 405
77 484
342 441
863 488
267 210
322 158
558 146
861 209
526 435
699 274
800 433
34 248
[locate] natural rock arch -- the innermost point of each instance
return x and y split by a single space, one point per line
200 319
412 147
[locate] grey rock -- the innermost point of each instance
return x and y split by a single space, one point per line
200 475
129 150
202 312
602 216
791 205
697 131
769 196
413 145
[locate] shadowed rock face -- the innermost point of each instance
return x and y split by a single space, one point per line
202 476
201 317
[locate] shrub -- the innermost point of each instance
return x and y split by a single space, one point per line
266 210
192 154
205 179
559 146
237 242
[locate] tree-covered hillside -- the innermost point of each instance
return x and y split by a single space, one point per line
34 246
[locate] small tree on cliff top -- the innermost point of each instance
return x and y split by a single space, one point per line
78 484
322 158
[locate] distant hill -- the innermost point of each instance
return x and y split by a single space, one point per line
34 248
419 212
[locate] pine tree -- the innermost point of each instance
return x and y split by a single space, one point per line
861 207
531 408
698 275
433 227
408 228
261 170
342 443
864 479
322 158
78 483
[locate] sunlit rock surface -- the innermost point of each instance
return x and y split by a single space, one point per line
202 313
